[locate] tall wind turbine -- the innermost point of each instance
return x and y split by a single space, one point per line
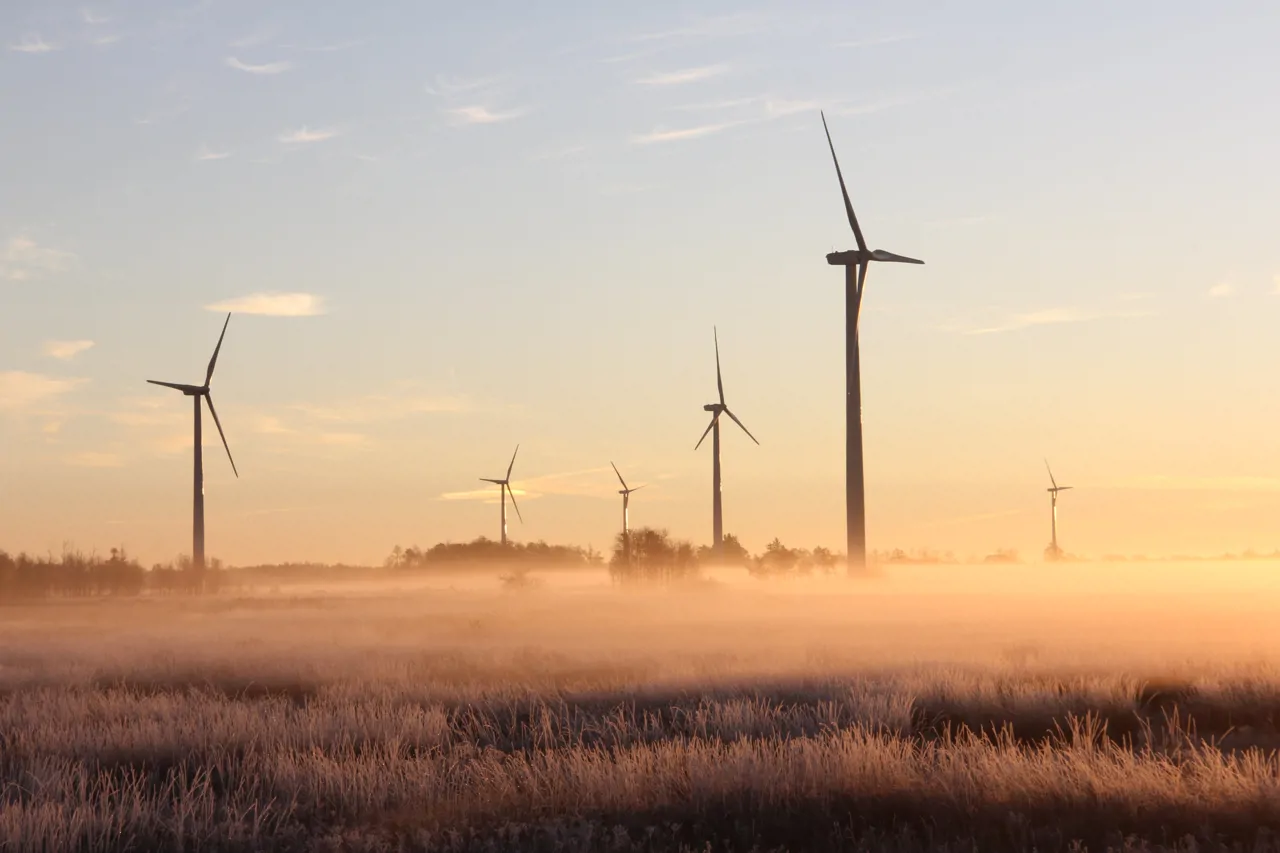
855 263
504 486
198 393
1053 552
626 514
718 409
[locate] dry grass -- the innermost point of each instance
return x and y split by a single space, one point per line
586 720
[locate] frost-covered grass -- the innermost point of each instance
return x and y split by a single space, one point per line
478 720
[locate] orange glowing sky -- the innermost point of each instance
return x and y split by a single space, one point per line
447 232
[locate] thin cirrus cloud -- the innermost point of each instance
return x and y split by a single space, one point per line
22 259
264 68
686 75
65 350
32 44
586 482
273 305
483 115
20 391
305 135
1221 290
208 155
661 135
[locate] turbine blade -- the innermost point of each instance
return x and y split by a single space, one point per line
1050 470
739 423
174 385
1065 488
209 399
714 418
213 361
638 488
513 502
620 480
495 482
862 280
513 463
890 257
719 381
848 205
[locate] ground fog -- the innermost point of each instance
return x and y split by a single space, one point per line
1076 706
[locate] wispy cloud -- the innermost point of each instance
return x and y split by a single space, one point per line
206 154
20 391
104 40
22 258
587 482
686 75
663 135
471 100
273 305
483 115
1049 317
91 18
33 44
94 459
1221 290
65 350
264 68
305 135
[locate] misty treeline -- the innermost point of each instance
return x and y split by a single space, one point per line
653 555
488 552
74 574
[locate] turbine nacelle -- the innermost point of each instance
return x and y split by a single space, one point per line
856 257
188 390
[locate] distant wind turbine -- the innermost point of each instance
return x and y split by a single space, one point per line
717 409
199 392
504 486
626 514
1053 552
855 263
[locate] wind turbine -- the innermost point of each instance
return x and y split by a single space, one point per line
198 393
504 486
717 409
626 516
855 263
1053 552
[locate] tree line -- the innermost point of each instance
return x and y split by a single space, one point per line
74 574
649 554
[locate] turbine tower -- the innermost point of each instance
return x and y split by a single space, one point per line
504 486
718 409
855 263
626 517
198 393
1053 552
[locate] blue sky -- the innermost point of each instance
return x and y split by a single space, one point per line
503 223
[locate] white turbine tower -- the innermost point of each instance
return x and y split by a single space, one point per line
1053 552
626 514
504 487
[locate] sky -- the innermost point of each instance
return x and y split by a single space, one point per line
447 229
